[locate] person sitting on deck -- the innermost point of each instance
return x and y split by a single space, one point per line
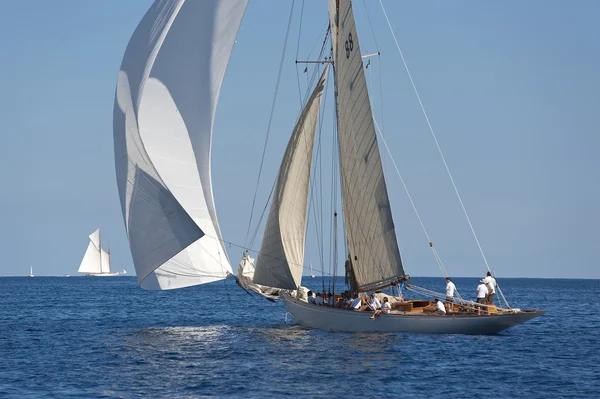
330 299
385 308
319 299
356 303
374 303
440 307
310 298
346 300
482 293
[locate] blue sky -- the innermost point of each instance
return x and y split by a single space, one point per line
511 88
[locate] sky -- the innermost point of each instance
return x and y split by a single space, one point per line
511 90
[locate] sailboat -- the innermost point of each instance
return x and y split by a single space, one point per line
163 121
30 271
96 261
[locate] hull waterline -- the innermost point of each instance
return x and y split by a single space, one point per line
342 320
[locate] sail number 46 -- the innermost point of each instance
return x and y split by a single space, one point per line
349 45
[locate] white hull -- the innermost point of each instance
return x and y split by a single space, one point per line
103 274
343 320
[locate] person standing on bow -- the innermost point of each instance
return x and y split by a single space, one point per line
450 290
491 284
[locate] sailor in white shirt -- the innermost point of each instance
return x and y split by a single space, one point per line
385 308
450 289
319 299
490 282
311 298
482 293
355 304
440 306
374 303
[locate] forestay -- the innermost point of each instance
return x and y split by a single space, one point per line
166 97
281 257
367 214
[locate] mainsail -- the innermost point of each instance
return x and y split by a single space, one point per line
370 230
281 257
166 98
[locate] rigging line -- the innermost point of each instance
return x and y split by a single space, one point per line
262 215
262 160
435 139
297 50
500 291
441 266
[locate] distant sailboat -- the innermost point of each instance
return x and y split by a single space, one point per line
311 273
96 261
30 271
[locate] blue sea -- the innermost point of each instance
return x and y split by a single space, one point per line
83 337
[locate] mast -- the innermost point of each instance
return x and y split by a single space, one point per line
373 248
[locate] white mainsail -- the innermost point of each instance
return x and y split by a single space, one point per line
91 262
281 257
367 214
165 102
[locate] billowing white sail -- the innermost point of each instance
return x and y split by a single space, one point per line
91 262
367 214
281 257
166 97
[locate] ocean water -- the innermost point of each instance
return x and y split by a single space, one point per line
78 337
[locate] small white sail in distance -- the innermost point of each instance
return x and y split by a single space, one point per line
167 92
92 262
